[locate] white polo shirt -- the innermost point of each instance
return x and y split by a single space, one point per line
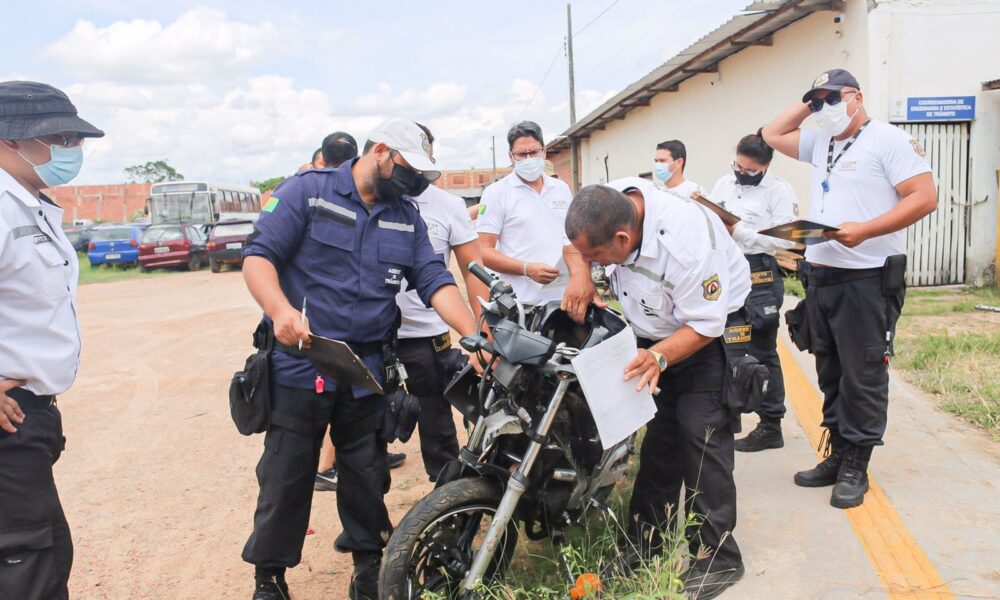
862 186
448 225
39 333
688 270
530 227
686 189
770 203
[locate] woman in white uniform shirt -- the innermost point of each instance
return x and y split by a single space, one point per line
761 200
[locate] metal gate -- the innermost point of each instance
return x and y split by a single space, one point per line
936 245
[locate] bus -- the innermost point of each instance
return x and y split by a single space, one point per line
201 202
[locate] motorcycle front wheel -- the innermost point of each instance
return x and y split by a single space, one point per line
431 549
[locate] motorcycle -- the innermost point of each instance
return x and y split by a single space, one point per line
533 457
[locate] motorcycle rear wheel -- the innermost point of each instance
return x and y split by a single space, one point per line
433 546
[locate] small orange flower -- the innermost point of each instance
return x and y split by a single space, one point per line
586 584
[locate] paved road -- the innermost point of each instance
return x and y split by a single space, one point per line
159 488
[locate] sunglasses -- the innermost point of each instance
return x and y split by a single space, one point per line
66 141
833 98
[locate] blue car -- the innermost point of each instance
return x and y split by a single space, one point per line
115 245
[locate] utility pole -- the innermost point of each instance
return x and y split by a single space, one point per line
493 143
572 97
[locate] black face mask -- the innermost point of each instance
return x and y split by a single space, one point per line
401 182
745 179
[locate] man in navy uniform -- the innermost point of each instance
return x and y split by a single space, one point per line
41 140
345 239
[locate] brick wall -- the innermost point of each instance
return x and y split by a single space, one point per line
113 202
469 178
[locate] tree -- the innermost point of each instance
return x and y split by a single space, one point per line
153 172
268 184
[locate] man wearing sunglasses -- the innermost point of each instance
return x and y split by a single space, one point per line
345 239
871 180
40 147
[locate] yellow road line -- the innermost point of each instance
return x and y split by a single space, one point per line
900 563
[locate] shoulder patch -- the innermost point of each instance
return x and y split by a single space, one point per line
482 209
272 204
711 288
918 148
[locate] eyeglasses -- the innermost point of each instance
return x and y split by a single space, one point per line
742 171
833 98
529 154
68 141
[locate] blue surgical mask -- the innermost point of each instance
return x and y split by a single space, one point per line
530 169
64 165
662 171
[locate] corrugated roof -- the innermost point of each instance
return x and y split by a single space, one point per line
753 27
991 85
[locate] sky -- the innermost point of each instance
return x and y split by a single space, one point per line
243 91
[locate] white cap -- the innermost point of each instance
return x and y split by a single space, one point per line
407 138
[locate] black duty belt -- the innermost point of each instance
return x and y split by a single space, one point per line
359 348
820 276
28 399
760 261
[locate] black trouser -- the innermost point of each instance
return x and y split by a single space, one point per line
424 362
690 442
36 549
767 294
287 471
849 319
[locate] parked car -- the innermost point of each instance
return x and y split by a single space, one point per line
225 243
79 237
177 245
114 245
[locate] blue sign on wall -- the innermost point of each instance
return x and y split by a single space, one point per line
941 108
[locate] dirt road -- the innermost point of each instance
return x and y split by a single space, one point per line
158 486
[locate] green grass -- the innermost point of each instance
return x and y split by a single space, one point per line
108 273
936 302
793 287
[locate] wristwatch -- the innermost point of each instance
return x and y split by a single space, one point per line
661 361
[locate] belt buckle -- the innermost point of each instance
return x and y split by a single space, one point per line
441 342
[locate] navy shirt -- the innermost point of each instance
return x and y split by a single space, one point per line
349 263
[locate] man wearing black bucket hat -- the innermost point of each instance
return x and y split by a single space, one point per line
870 180
41 140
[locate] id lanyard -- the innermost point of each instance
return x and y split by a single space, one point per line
831 162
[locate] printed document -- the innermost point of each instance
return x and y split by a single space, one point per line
618 409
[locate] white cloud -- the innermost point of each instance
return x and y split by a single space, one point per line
436 99
201 45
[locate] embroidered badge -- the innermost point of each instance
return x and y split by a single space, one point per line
738 334
821 80
482 209
711 288
918 148
271 204
425 143
761 277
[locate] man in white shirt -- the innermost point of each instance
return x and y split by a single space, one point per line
41 139
520 228
870 180
761 200
682 282
668 169
424 344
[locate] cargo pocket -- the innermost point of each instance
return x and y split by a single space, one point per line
338 239
53 277
28 563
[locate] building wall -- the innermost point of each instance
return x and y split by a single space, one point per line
946 48
469 178
114 202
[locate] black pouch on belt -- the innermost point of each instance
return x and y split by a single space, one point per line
894 274
746 380
798 326
402 409
250 389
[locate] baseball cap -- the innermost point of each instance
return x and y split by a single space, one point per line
832 80
29 109
409 140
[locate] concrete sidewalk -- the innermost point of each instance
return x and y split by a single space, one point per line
930 528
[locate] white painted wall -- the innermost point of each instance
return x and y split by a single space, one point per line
904 47
946 48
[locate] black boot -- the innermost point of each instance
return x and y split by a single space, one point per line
825 473
852 480
364 582
269 584
702 586
766 435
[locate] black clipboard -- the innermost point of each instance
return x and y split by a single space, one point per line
728 218
801 231
334 358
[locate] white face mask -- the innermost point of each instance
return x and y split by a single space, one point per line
833 119
530 169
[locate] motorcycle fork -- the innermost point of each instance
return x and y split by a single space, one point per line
516 486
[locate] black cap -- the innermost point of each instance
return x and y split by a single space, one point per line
29 110
832 80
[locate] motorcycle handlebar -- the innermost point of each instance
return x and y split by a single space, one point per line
481 273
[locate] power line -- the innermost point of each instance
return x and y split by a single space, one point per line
539 88
592 21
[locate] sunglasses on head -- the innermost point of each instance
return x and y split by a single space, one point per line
833 98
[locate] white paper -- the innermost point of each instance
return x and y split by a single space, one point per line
618 409
563 279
